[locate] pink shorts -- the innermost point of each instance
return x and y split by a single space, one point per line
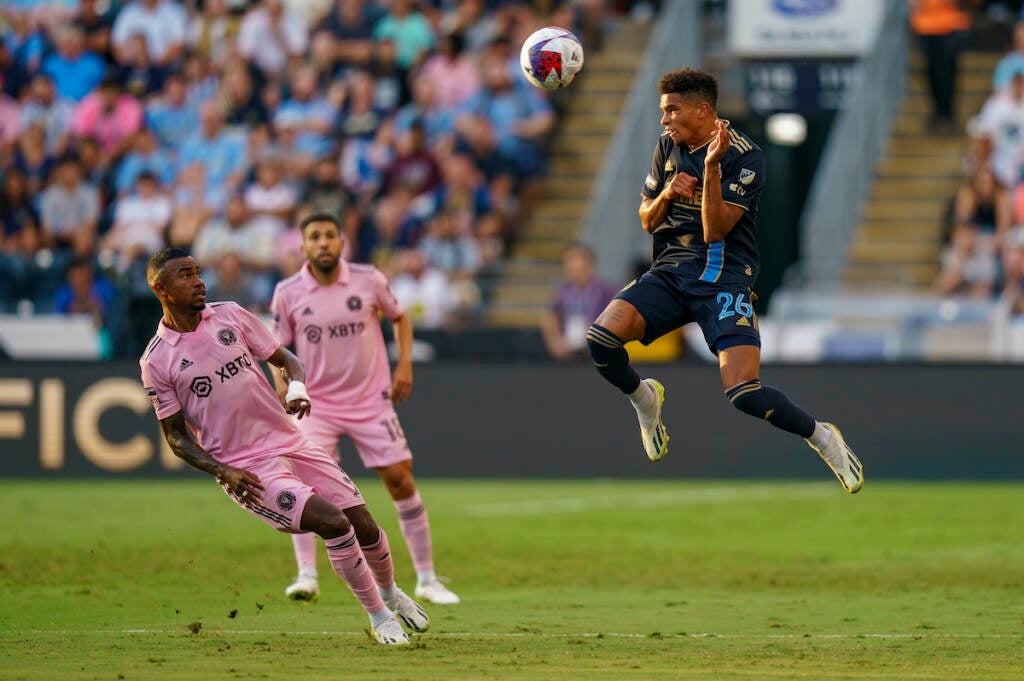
290 479
378 439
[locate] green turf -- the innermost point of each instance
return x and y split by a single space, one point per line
560 580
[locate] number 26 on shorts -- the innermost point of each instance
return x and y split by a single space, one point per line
741 307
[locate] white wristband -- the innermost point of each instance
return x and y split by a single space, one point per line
296 391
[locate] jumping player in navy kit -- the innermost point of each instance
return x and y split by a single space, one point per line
699 203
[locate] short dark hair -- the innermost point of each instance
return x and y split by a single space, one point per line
155 266
690 83
318 217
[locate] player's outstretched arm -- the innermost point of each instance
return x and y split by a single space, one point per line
401 378
241 483
296 400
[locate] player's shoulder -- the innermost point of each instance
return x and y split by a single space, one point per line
741 144
147 354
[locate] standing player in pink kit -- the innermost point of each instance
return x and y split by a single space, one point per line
329 311
219 414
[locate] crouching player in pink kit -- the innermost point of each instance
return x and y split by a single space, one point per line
329 311
202 375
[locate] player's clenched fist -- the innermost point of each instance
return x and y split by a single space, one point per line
682 185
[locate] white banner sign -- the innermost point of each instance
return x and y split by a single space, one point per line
803 28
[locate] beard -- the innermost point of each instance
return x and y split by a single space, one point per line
324 267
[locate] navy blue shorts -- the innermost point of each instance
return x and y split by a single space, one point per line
723 310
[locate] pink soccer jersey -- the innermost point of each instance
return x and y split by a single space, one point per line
211 375
336 332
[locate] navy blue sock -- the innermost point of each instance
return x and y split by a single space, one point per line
611 359
771 404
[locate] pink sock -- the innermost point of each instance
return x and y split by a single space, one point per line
412 518
378 555
305 552
350 564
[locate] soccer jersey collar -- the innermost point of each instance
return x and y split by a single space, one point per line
171 336
312 284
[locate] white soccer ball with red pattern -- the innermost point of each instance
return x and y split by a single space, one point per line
551 57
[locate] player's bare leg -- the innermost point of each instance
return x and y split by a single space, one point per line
618 324
740 366
331 523
412 518
374 544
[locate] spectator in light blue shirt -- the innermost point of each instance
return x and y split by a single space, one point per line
1012 62
310 116
75 72
221 152
409 30
145 156
173 118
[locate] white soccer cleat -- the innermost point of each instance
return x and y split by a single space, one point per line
390 633
436 592
409 611
652 430
841 459
304 588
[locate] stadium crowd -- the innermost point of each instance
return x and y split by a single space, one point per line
985 254
217 124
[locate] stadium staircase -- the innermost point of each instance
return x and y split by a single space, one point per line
532 270
900 237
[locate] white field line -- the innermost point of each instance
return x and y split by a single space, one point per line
692 497
511 634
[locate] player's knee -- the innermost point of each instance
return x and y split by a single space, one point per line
330 523
603 345
401 488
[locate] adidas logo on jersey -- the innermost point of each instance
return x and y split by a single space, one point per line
185 364
742 321
307 310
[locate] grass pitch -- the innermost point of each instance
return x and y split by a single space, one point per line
559 579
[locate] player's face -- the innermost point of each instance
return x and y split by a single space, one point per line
182 285
322 244
684 119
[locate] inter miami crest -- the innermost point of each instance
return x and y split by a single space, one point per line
226 337
286 500
355 303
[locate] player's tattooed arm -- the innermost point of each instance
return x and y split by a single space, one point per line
241 483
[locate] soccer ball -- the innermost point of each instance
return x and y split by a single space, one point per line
551 58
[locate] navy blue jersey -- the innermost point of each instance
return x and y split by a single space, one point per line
679 241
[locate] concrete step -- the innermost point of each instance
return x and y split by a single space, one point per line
520 294
548 249
918 275
968 82
605 81
576 165
939 167
966 106
895 252
511 317
926 145
904 209
579 142
541 270
880 230
969 61
568 187
913 188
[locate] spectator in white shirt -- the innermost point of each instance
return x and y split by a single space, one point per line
140 222
270 196
270 35
1003 118
164 24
